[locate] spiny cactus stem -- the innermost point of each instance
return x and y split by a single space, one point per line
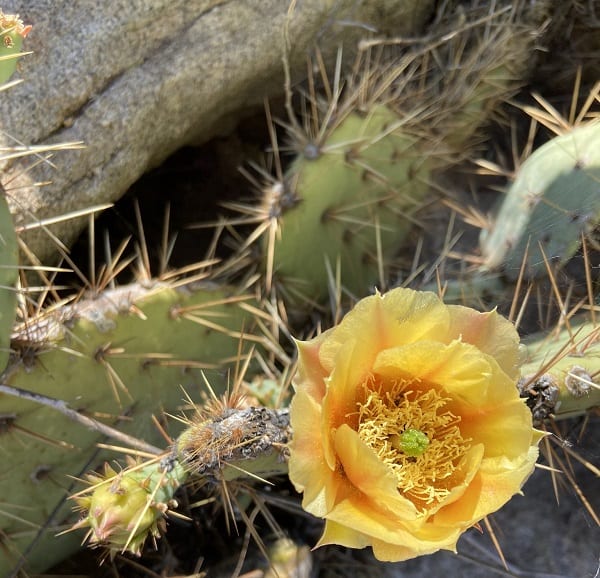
248 442
62 407
560 375
566 390
122 510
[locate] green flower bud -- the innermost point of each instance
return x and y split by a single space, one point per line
123 509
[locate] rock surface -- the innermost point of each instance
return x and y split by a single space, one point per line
135 81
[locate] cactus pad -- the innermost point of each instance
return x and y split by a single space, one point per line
352 199
8 278
554 199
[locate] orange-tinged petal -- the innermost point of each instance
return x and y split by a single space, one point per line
502 478
500 419
495 483
382 321
396 553
504 430
466 472
463 515
343 535
489 332
311 375
369 475
391 552
340 401
457 368
357 513
307 468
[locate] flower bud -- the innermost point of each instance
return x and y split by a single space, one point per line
123 509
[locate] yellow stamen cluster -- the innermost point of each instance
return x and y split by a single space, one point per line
388 413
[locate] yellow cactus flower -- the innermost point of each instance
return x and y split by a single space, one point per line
408 426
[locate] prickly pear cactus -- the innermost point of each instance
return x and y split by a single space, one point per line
346 205
554 199
119 358
12 32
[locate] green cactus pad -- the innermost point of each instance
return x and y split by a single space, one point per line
554 199
120 358
8 278
360 189
12 32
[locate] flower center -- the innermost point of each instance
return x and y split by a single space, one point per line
418 439
412 442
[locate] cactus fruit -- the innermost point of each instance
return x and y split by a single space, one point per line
12 32
119 358
347 204
125 507
554 200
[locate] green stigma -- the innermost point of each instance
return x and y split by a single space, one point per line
412 442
